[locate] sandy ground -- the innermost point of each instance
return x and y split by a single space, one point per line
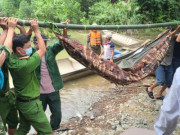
119 109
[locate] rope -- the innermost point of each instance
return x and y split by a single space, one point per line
53 27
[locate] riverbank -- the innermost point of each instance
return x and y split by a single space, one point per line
119 109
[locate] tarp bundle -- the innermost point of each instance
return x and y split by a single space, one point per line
132 59
149 61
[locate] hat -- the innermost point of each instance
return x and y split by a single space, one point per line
109 36
43 36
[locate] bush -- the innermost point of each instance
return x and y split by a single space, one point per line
119 13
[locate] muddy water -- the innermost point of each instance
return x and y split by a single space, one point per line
78 95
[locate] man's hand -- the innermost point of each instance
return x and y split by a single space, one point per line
171 34
12 22
2 58
178 27
34 25
22 29
67 21
3 23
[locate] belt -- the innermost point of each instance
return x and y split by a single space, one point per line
4 95
27 100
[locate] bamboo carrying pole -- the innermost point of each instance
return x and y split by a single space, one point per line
99 27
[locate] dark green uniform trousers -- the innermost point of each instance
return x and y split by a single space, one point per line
32 113
54 102
2 130
8 111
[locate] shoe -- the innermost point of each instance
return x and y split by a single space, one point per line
150 94
160 98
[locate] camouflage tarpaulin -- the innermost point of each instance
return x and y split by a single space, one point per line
111 71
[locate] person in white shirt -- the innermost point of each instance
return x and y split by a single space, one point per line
108 48
170 110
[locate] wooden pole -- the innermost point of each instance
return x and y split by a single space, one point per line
99 27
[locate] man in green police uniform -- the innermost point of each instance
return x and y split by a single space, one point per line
50 81
27 89
8 111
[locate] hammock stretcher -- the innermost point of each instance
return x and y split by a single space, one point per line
151 56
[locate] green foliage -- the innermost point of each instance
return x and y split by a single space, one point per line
85 4
26 10
89 11
51 10
9 7
159 10
119 13
58 10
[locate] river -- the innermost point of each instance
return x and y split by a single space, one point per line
78 95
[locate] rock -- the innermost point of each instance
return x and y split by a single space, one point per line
89 129
92 117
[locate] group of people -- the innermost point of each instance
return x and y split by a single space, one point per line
167 76
95 42
36 77
36 80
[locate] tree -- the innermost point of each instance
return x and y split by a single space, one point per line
9 7
159 10
86 4
114 1
118 13
26 10
58 10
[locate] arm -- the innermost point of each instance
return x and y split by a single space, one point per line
41 44
3 24
112 54
101 40
169 113
12 22
21 29
175 31
88 40
102 52
65 29
112 51
57 47
178 38
29 32
2 58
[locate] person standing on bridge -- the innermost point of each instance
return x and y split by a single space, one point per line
50 80
95 40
